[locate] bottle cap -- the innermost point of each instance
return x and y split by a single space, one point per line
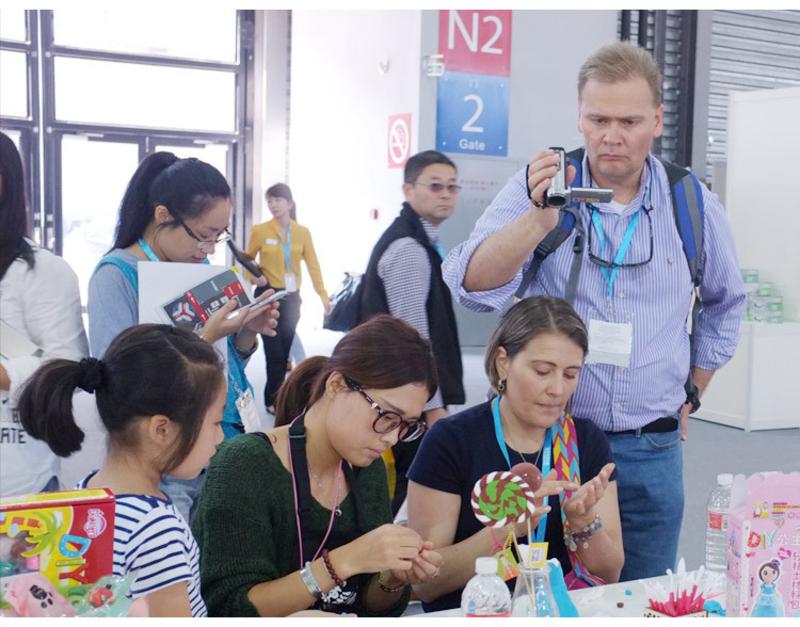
724 478
486 566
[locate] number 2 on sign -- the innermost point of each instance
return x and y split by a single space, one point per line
468 127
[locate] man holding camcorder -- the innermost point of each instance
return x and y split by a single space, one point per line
623 266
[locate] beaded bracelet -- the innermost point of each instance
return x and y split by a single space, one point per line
386 588
326 559
572 538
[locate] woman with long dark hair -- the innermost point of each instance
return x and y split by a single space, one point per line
39 304
300 516
176 210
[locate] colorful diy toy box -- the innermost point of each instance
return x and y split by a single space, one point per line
763 576
67 537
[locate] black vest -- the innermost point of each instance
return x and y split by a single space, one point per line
439 306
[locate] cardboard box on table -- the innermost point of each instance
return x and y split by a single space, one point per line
763 577
67 537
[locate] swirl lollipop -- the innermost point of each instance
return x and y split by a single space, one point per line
530 474
502 498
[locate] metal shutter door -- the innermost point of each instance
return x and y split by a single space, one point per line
749 50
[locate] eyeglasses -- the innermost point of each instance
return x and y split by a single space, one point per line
610 264
437 188
205 245
387 421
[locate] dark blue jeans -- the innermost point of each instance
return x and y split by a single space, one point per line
650 487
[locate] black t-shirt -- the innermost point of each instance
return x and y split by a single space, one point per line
461 449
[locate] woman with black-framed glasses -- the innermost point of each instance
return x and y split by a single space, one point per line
300 517
175 210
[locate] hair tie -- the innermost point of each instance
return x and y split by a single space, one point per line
92 374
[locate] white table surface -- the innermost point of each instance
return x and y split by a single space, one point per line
603 600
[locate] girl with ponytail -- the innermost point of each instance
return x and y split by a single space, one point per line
175 210
160 392
300 517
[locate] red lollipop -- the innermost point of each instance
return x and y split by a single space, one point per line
529 473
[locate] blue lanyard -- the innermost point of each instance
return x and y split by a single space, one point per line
546 454
147 250
439 249
287 248
610 274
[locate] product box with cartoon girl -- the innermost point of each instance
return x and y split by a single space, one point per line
763 576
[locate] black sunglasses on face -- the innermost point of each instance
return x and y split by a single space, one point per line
437 188
609 263
387 421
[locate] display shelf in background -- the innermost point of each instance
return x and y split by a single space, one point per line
759 388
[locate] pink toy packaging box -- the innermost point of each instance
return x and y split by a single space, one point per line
763 578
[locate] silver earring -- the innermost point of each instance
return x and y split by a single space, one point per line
501 386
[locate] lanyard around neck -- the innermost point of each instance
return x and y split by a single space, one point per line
147 250
610 274
301 487
287 247
546 454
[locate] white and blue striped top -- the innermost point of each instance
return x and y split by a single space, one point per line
655 298
153 540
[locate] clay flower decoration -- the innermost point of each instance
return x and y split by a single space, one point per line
682 597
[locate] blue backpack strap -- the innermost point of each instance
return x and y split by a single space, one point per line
128 271
689 210
566 222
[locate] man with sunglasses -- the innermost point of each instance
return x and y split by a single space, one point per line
634 290
404 279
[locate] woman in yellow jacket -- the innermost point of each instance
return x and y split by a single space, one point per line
280 245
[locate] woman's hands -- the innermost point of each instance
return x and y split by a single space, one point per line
388 548
261 320
424 566
264 319
579 507
550 487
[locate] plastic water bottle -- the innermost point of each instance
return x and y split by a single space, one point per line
486 594
717 524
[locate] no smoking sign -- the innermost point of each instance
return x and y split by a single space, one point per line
399 140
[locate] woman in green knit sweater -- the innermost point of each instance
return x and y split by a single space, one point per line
300 517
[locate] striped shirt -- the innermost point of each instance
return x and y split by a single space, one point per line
655 298
153 540
405 271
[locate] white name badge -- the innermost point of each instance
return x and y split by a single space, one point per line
610 343
290 282
248 412
272 242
